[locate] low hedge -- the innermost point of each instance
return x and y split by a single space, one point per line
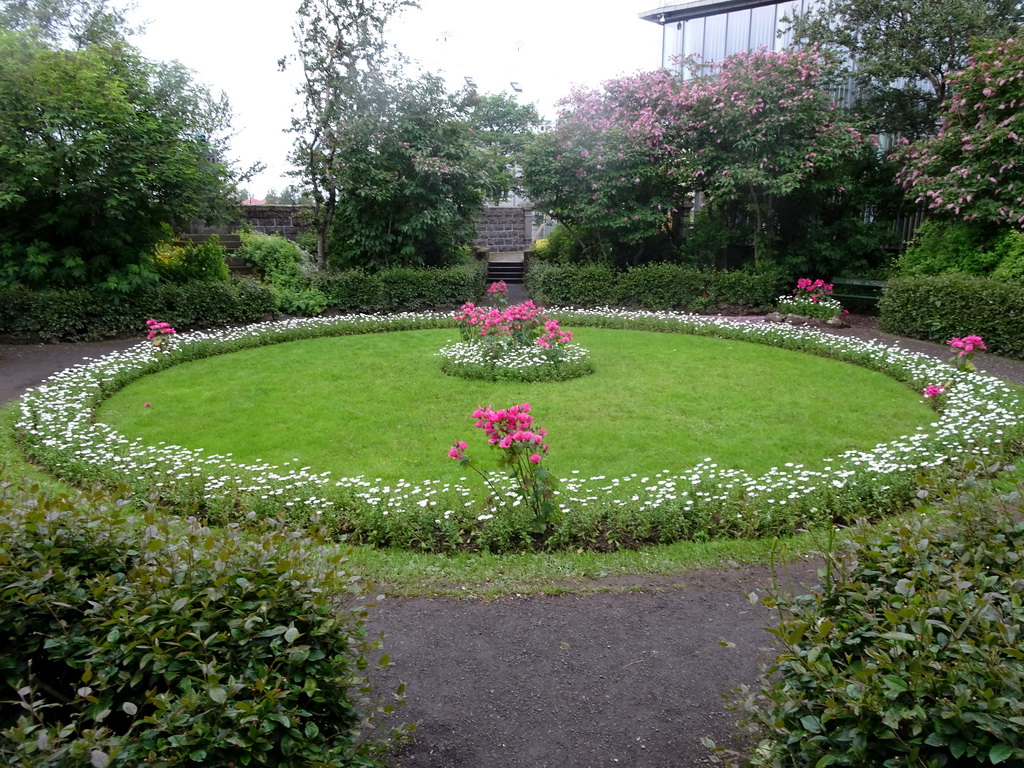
402 288
659 287
157 641
93 313
936 308
909 654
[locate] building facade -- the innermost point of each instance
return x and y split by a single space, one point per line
714 29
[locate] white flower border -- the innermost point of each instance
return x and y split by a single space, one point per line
56 425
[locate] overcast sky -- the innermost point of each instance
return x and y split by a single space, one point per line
546 46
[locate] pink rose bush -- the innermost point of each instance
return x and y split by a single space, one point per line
963 356
518 342
812 298
156 331
522 449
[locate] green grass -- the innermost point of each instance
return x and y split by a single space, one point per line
377 405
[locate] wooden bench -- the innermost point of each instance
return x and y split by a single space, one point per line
851 288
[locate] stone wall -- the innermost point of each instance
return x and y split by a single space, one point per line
504 230
284 220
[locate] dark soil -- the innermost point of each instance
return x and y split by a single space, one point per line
633 676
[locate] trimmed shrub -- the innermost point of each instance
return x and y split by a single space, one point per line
664 287
675 287
157 641
407 288
93 313
352 290
579 286
909 654
936 308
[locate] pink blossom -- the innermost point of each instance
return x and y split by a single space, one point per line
535 458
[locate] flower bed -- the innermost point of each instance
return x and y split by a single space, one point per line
982 417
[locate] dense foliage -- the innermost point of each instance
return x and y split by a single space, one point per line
938 307
757 133
99 150
906 51
973 168
410 177
157 641
909 653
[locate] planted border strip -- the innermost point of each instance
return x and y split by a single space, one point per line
982 417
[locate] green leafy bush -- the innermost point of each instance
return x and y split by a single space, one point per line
942 247
352 290
1010 250
93 313
181 262
936 308
287 269
909 654
157 641
653 286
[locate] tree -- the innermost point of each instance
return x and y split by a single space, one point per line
762 125
66 23
504 128
99 150
410 178
903 52
343 57
607 171
973 169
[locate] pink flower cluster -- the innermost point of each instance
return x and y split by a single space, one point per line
525 323
967 344
934 390
156 328
814 290
499 289
511 427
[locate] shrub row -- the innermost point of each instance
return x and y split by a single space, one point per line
93 313
657 287
936 308
402 288
909 654
157 641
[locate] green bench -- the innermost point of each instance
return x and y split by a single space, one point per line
850 288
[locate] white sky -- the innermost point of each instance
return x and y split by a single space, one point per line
546 46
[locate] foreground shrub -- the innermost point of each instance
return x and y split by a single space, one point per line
935 308
93 313
909 654
157 641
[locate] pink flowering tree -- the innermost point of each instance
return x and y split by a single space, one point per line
608 171
973 169
762 125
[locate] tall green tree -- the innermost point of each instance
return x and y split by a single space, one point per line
902 53
411 177
67 23
504 129
100 149
343 58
